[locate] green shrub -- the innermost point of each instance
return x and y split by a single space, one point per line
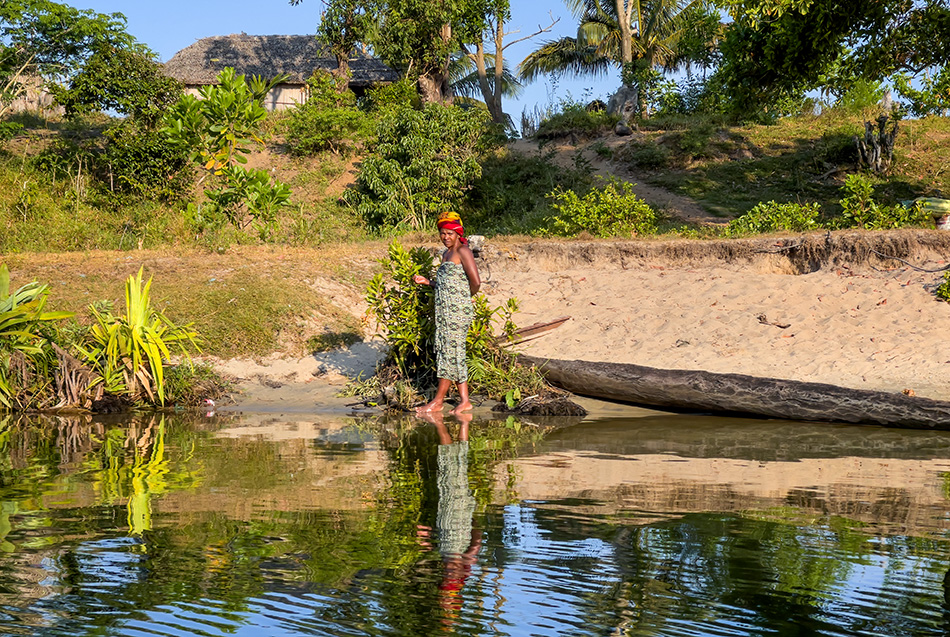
943 290
575 119
389 97
860 95
860 209
772 217
611 211
421 163
144 163
9 129
328 120
190 384
648 156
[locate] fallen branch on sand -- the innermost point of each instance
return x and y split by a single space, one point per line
738 393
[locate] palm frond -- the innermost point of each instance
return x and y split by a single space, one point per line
463 75
564 57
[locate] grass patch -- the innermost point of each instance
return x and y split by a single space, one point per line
731 169
511 196
333 340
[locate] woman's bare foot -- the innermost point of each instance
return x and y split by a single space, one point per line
463 406
435 405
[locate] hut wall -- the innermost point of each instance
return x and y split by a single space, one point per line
280 97
35 100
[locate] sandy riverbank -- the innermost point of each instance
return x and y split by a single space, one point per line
826 308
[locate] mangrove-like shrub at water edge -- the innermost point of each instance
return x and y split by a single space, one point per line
404 312
128 352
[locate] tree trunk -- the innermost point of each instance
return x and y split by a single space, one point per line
433 84
625 18
876 150
737 393
434 88
491 90
342 72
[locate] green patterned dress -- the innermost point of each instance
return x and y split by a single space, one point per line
453 317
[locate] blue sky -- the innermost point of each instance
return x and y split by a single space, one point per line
169 26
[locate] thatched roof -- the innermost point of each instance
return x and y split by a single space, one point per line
268 55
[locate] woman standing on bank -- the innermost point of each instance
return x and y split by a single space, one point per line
456 281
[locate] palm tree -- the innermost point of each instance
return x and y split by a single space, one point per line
615 34
467 81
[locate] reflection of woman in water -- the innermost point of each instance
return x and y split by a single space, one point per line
459 540
456 281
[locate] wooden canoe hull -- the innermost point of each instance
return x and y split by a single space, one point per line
738 393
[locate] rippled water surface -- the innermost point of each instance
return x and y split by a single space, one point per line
320 525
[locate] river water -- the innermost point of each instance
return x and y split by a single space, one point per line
659 524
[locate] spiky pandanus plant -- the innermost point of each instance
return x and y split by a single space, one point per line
128 352
26 356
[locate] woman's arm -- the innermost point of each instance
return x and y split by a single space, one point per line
471 270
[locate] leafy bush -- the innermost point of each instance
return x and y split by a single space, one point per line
421 163
575 119
772 216
26 357
218 130
861 94
190 384
127 81
144 163
328 120
943 290
611 211
860 209
647 156
389 97
9 129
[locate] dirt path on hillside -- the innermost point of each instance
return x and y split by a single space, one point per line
674 205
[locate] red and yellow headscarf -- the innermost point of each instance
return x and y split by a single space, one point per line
452 221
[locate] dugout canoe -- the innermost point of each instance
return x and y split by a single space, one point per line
741 394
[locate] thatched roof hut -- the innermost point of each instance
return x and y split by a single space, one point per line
269 55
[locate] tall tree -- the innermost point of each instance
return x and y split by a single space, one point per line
482 43
632 35
418 36
344 25
777 48
614 33
51 41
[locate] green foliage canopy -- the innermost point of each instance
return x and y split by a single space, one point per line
129 82
775 49
52 41
422 162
